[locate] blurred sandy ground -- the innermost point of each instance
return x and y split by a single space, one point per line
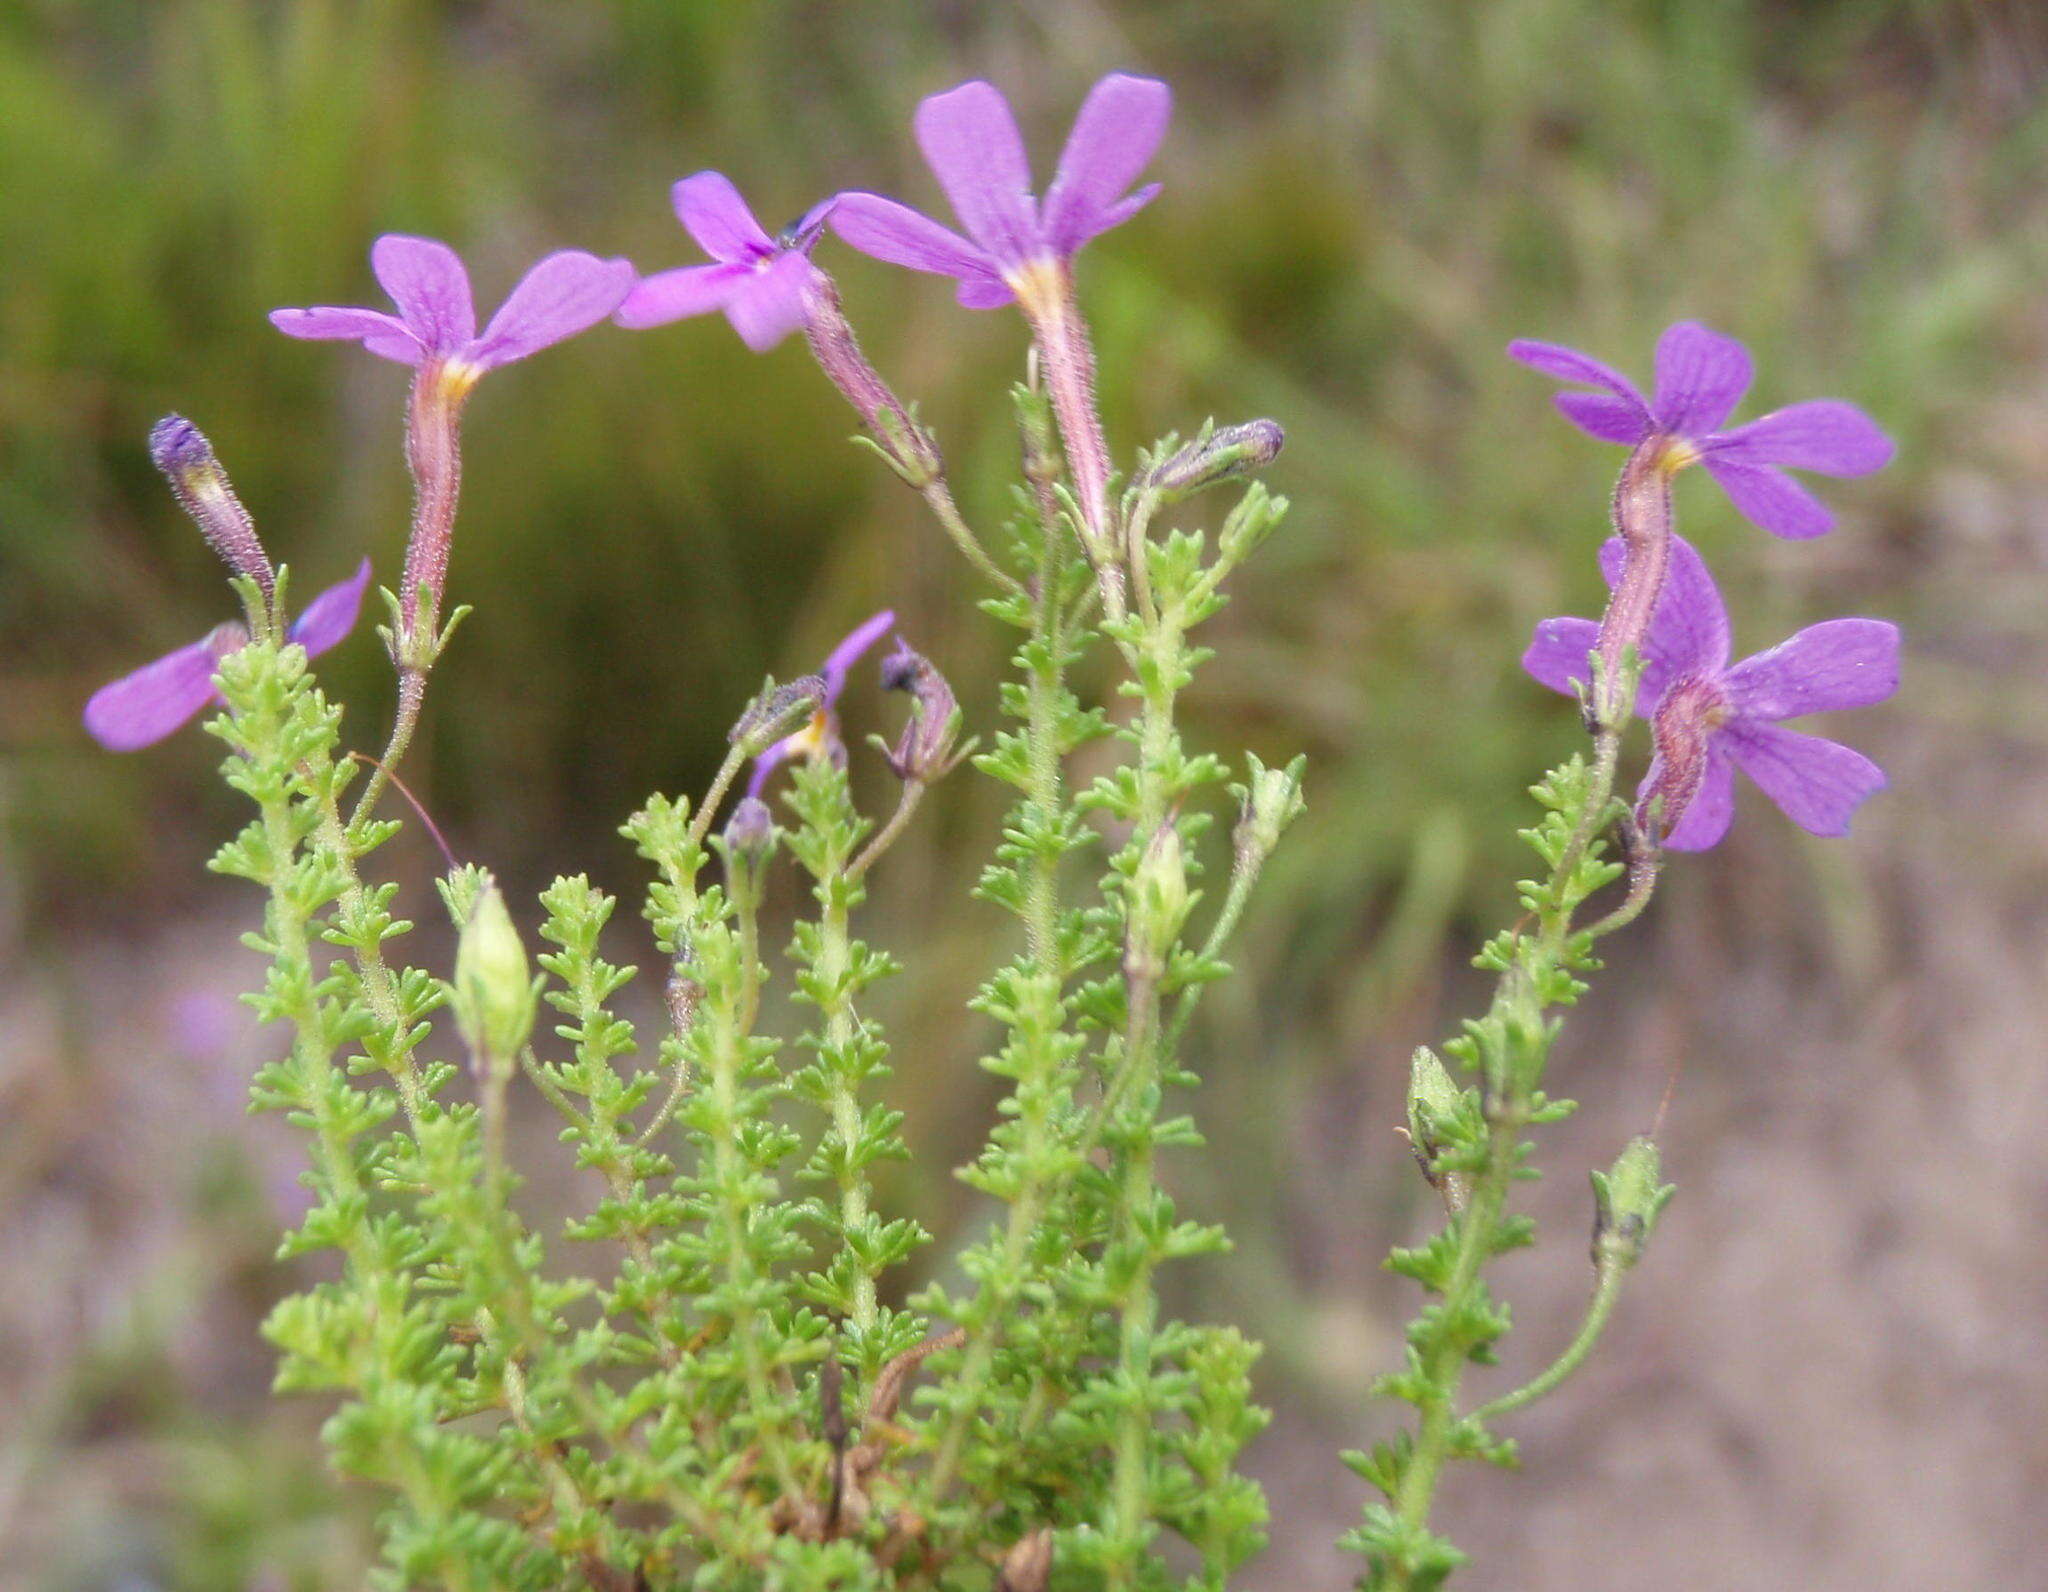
1829 1371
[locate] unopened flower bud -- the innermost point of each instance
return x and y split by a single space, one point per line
1434 1104
493 994
1268 801
1627 1201
750 828
777 711
1216 456
1158 904
924 752
203 490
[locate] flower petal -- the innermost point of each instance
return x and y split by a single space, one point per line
844 656
427 282
1701 377
900 235
1826 435
1816 782
671 295
1706 817
769 305
1116 134
1844 663
565 293
381 334
984 292
1771 498
1568 364
970 141
712 211
1605 416
1557 653
140 709
1688 633
329 617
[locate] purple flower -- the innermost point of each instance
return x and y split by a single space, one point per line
970 141
1711 717
1701 377
142 708
436 324
760 282
820 737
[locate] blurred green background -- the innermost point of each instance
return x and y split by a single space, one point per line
1820 1377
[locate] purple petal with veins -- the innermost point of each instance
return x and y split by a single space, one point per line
712 211
142 708
844 656
1568 364
970 141
1817 783
1844 663
901 236
565 293
1701 377
1116 133
329 617
1558 652
1825 435
1604 416
671 295
381 334
769 304
1770 498
427 282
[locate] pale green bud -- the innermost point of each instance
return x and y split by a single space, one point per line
1158 904
1434 1101
493 995
1627 1200
1268 801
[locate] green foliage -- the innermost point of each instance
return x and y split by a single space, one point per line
720 1391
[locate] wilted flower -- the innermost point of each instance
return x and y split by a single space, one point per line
758 281
565 293
1701 377
820 738
140 709
970 141
1710 717
924 752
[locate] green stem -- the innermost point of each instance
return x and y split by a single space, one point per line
994 1301
1137 1074
890 833
1443 1365
1606 1290
938 497
841 1032
1518 1013
412 694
